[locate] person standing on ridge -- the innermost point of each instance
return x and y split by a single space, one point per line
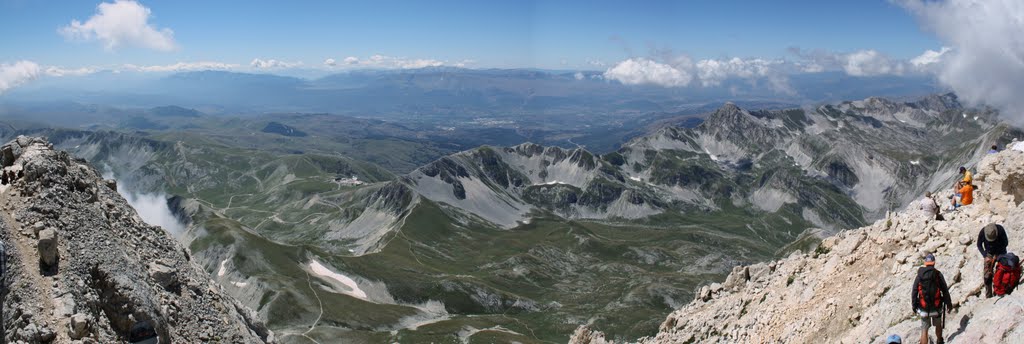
992 242
930 299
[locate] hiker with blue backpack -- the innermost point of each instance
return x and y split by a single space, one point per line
930 299
992 242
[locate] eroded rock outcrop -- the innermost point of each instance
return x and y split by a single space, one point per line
855 287
82 267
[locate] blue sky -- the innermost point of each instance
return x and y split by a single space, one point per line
503 34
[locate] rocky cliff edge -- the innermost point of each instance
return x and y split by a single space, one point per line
80 266
855 287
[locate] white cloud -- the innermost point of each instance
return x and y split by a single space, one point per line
330 62
418 63
464 63
182 66
60 71
121 23
390 62
860 63
578 76
713 72
816 61
153 209
12 75
680 71
638 71
811 68
871 63
272 64
929 57
985 62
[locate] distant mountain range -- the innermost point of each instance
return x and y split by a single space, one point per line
442 90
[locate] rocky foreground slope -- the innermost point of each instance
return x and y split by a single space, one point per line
81 267
855 288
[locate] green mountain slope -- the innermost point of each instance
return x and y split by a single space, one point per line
525 243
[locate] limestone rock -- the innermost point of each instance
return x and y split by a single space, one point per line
704 294
165 275
737 278
48 247
79 326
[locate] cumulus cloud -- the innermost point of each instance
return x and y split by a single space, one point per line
871 63
182 67
639 71
121 23
330 62
985 60
860 63
272 64
578 76
929 57
680 71
351 60
12 75
713 72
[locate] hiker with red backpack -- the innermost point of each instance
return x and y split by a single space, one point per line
1006 274
930 298
992 242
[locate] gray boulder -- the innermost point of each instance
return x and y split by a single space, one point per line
163 274
48 247
79 326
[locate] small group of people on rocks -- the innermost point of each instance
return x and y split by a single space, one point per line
963 194
930 297
8 176
963 190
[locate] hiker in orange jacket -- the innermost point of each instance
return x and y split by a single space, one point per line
965 192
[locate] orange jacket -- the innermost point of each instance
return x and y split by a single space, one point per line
967 194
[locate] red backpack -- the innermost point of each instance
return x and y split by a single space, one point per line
1007 274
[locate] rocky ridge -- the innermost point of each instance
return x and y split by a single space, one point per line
854 288
82 267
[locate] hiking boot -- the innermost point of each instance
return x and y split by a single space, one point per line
988 291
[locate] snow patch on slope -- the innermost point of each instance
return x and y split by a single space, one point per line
352 288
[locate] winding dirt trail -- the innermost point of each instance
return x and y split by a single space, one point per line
31 273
